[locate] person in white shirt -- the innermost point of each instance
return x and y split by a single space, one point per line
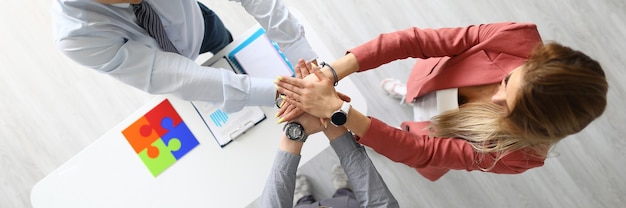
104 35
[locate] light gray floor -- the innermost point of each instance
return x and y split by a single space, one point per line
51 108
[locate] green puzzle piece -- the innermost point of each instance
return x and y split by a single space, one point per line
164 159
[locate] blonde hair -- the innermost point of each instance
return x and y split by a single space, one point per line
562 91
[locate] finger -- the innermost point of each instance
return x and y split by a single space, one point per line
294 113
306 70
287 112
297 83
320 75
344 97
324 123
289 94
314 62
301 69
286 88
282 110
312 67
293 102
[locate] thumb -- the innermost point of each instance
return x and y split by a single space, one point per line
344 97
320 75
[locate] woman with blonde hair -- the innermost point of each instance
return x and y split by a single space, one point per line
514 97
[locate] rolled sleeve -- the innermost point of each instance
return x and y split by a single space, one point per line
299 49
262 92
344 145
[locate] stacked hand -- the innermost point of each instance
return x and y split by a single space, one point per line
288 111
311 91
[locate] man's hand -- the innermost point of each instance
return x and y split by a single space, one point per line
317 97
310 123
288 111
311 126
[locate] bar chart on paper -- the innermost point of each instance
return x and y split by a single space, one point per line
226 127
219 117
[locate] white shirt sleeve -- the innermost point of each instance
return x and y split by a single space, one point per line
281 26
118 47
158 72
112 43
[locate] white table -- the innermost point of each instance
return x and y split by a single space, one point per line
108 173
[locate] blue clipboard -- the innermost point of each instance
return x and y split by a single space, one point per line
258 37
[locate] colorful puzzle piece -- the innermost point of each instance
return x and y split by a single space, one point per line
160 138
159 162
163 110
179 133
140 135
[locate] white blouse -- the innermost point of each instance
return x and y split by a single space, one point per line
434 103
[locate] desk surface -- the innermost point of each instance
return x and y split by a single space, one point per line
108 173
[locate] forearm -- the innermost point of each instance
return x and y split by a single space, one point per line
158 72
280 184
290 146
181 77
281 27
275 18
333 132
343 66
357 123
366 182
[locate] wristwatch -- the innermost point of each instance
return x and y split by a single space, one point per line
279 100
295 131
339 117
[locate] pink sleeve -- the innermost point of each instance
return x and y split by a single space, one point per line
417 151
437 155
426 43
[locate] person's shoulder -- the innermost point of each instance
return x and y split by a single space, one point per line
510 32
69 5
512 25
74 2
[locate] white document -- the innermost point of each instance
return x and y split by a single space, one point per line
257 56
226 127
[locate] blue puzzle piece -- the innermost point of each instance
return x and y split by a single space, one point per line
179 137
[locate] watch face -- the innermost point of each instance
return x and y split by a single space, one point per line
294 132
338 118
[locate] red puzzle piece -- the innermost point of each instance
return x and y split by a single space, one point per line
158 113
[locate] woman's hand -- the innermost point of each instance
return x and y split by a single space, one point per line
304 70
310 123
314 94
288 111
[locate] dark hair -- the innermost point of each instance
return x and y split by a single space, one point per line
563 90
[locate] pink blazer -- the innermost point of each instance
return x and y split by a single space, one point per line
451 58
